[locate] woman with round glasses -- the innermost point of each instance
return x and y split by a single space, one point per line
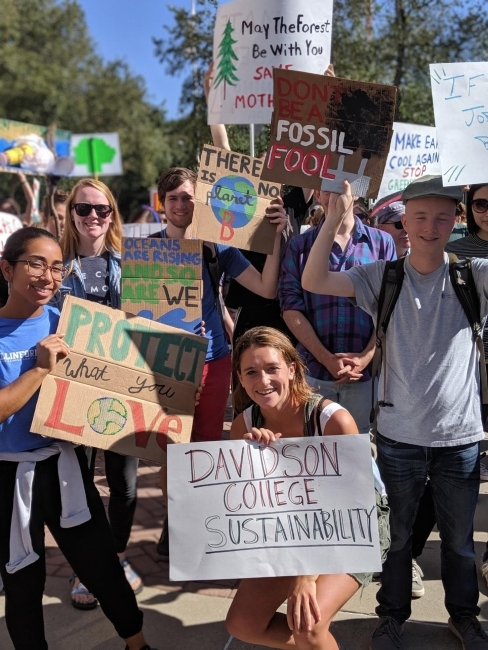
33 467
91 245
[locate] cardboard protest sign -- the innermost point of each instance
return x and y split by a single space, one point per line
232 505
413 153
326 130
251 38
96 154
231 201
129 384
162 280
8 224
460 93
34 149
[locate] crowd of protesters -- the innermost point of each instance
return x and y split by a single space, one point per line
297 338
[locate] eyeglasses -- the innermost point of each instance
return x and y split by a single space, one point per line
397 224
84 209
37 268
480 205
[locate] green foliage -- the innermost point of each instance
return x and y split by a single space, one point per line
225 65
50 73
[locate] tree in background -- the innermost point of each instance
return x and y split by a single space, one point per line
49 73
226 56
390 42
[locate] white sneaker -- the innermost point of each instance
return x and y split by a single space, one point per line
483 472
417 586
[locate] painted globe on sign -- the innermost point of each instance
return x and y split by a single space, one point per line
234 200
107 416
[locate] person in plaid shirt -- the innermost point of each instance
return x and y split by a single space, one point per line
336 339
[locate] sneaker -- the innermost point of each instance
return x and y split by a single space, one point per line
483 472
417 586
163 544
469 631
387 635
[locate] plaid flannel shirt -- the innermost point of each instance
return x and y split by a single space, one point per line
340 326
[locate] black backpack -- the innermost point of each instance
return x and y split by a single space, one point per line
211 259
464 286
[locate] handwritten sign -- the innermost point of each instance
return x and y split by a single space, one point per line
251 38
413 153
460 94
8 224
231 201
301 506
129 384
162 280
326 130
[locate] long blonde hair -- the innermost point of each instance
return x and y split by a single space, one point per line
70 239
268 337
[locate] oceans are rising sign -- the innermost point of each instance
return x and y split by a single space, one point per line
251 38
298 507
128 385
326 130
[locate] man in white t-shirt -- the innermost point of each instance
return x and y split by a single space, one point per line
429 420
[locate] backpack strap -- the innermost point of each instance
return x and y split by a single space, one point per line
391 286
211 259
464 286
313 410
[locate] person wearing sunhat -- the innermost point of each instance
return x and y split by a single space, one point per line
388 213
429 422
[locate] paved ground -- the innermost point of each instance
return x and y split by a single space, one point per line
190 615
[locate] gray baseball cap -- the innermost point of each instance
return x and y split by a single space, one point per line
431 186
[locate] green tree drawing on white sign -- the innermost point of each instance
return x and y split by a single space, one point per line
226 67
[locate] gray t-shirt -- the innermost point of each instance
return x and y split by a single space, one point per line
430 365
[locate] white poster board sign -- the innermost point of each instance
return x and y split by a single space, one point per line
413 153
460 94
251 38
299 507
8 224
96 154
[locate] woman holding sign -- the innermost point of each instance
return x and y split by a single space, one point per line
272 375
91 244
44 481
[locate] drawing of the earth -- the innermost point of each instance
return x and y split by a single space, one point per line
107 416
234 200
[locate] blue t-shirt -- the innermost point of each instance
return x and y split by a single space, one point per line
233 263
18 340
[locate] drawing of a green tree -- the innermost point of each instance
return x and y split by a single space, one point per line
226 56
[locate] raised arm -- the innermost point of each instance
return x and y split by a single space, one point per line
316 276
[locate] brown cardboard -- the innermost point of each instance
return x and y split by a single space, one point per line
159 258
183 316
175 292
129 384
327 129
221 206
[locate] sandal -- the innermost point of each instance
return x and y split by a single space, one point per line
131 575
80 589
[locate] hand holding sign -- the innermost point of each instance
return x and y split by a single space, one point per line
276 214
50 350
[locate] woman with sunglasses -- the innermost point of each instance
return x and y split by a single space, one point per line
91 245
33 467
476 243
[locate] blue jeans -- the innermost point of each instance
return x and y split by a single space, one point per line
454 479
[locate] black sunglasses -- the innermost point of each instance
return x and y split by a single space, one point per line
398 224
480 205
84 209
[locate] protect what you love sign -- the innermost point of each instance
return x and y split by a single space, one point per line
231 201
128 385
326 130
301 506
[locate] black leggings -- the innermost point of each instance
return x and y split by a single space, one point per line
89 548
